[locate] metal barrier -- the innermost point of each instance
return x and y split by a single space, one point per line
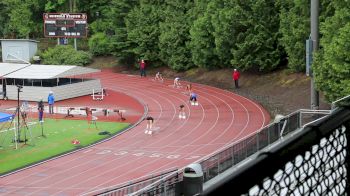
132 186
231 155
312 161
226 158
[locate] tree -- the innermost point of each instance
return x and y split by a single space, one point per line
202 43
142 24
332 63
67 56
20 24
121 46
174 34
224 30
294 29
256 45
3 18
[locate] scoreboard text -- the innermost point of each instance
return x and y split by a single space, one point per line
69 25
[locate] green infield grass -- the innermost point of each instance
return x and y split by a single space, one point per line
58 139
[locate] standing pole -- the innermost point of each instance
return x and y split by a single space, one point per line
18 118
315 6
72 8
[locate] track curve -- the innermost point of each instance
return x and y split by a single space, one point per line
221 118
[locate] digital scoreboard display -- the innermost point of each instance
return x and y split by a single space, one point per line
68 25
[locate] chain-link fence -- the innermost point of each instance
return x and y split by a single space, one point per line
161 183
319 171
241 150
311 161
226 158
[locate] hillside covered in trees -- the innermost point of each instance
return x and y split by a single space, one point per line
259 35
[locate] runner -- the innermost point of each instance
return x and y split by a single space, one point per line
193 98
182 114
189 88
158 77
149 127
177 83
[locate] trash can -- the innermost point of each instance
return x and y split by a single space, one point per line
36 59
193 179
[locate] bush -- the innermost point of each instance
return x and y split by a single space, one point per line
65 55
99 44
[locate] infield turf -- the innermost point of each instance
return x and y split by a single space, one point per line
58 137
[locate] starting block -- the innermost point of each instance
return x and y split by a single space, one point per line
148 132
69 110
98 96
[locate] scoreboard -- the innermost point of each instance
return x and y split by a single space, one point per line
68 25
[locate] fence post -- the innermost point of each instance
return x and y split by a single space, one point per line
232 155
347 158
218 162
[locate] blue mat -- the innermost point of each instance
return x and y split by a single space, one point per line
5 117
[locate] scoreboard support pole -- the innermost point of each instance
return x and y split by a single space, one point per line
75 43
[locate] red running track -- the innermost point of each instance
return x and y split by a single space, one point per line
221 118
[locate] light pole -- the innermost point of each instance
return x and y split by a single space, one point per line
19 87
315 6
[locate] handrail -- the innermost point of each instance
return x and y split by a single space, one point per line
334 103
141 179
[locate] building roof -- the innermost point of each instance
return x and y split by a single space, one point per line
20 40
45 71
5 68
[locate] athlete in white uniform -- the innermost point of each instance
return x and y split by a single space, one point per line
176 82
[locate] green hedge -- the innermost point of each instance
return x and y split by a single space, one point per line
65 55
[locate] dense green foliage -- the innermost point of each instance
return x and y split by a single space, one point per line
65 55
182 34
99 44
174 34
294 29
332 63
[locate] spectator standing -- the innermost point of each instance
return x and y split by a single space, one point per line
41 110
51 101
235 77
143 68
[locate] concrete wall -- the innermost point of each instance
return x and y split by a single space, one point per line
22 48
34 93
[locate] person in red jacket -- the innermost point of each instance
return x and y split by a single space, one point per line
235 77
143 68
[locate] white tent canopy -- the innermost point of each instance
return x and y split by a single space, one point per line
36 81
42 71
6 68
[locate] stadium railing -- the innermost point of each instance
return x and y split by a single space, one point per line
230 156
303 153
312 161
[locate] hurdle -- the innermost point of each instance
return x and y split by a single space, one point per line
98 96
120 113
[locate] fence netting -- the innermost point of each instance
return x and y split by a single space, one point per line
319 171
